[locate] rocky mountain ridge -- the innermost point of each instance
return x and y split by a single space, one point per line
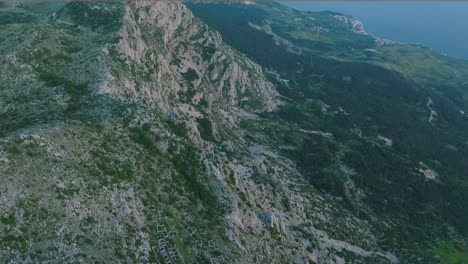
132 133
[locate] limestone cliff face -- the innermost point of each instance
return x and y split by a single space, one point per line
170 59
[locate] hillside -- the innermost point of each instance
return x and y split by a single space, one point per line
169 132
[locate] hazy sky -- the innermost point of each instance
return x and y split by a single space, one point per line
442 26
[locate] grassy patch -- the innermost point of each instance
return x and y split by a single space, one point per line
188 165
452 252
8 220
178 128
205 128
145 137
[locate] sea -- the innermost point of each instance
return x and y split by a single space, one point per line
442 26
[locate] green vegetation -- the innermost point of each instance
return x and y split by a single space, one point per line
9 17
190 75
8 220
145 137
188 165
208 51
96 16
452 252
178 129
344 84
205 128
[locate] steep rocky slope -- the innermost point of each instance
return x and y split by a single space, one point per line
132 133
121 141
184 69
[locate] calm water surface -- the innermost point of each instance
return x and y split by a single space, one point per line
442 26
